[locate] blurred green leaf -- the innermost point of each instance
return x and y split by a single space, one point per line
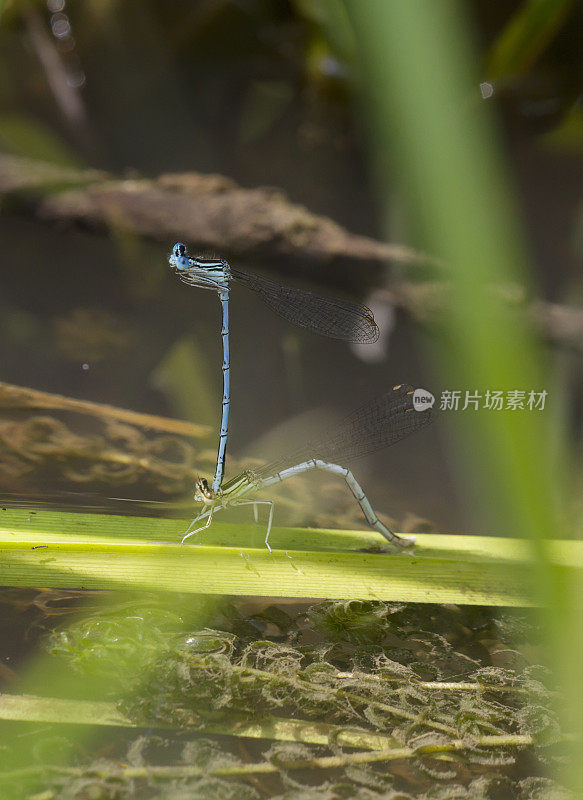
568 136
34 708
52 677
526 36
424 103
330 18
185 377
265 103
4 5
23 136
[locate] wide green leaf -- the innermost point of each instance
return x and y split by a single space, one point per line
102 551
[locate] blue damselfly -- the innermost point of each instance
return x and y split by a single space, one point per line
337 319
380 423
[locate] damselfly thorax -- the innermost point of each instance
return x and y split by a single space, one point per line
230 490
206 273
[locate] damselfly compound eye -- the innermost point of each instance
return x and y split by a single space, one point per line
179 250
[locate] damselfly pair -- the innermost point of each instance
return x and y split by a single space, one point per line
380 423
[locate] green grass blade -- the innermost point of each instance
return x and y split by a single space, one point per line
98 551
56 710
526 36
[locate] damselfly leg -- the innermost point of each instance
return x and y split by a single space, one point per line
256 503
202 515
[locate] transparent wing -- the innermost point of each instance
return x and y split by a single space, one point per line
337 319
380 423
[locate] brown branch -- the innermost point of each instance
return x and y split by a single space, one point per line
427 301
210 212
560 324
21 397
213 213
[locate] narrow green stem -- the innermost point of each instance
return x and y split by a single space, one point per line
266 767
455 686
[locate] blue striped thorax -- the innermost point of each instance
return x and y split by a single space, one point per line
206 273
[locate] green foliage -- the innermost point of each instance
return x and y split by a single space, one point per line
526 36
418 68
115 644
330 20
184 375
99 785
567 137
106 551
23 136
448 687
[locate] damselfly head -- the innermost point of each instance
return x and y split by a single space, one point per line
178 258
202 492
